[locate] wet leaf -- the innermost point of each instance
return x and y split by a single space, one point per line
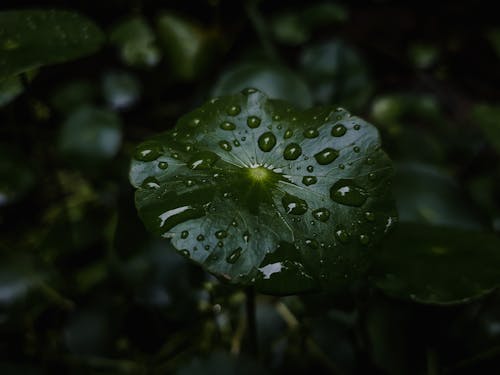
253 190
438 265
33 38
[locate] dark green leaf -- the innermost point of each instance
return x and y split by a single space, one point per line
120 89
16 175
10 88
276 81
488 119
438 265
251 188
33 38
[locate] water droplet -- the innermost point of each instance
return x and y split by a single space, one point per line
246 236
370 161
207 247
313 244
372 176
309 180
234 223
321 214
288 134
185 253
253 122
226 125
195 122
294 205
370 216
364 239
276 117
248 91
338 130
220 244
175 216
233 110
326 156
292 151
175 155
148 151
356 149
200 237
163 165
150 183
341 166
234 256
311 133
310 168
184 234
345 192
189 183
236 143
203 160
267 141
225 145
357 127
342 235
220 234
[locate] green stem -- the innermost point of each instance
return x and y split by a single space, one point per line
251 323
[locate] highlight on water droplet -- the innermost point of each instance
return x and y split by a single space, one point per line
200 237
326 156
342 235
321 214
267 141
148 151
345 192
184 234
253 122
370 216
203 160
234 256
233 110
311 133
226 125
364 239
288 134
294 205
225 145
184 253
220 234
163 165
150 183
310 168
292 151
312 243
248 91
338 130
309 180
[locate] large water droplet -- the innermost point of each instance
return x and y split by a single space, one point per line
292 151
326 156
163 165
294 205
246 236
200 237
347 193
148 151
150 183
267 141
234 256
311 133
225 145
226 125
309 180
233 110
253 122
185 253
203 160
220 234
342 235
248 91
288 134
310 168
184 234
321 214
175 216
338 130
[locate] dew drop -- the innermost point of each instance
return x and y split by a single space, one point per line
203 160
288 134
345 192
276 117
309 180
248 91
357 127
310 168
342 235
150 183
326 156
189 183
234 223
207 247
267 141
163 165
148 151
341 166
184 253
220 234
225 145
233 110
294 205
356 149
321 214
184 234
311 133
292 151
236 143
364 239
313 244
253 122
246 236
226 125
370 216
200 237
220 244
195 122
338 130
372 176
234 256
370 161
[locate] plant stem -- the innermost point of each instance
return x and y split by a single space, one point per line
251 324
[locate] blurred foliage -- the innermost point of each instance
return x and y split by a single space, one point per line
84 289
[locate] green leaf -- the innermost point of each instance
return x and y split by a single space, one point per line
33 38
121 89
438 265
91 134
488 119
136 42
257 191
276 81
10 88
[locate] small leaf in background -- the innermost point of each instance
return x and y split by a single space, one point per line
73 95
136 42
437 265
337 74
487 117
296 26
33 38
277 81
121 90
17 177
90 134
422 55
10 88
243 178
189 48
425 194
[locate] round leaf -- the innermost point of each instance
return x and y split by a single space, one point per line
32 38
438 265
259 192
